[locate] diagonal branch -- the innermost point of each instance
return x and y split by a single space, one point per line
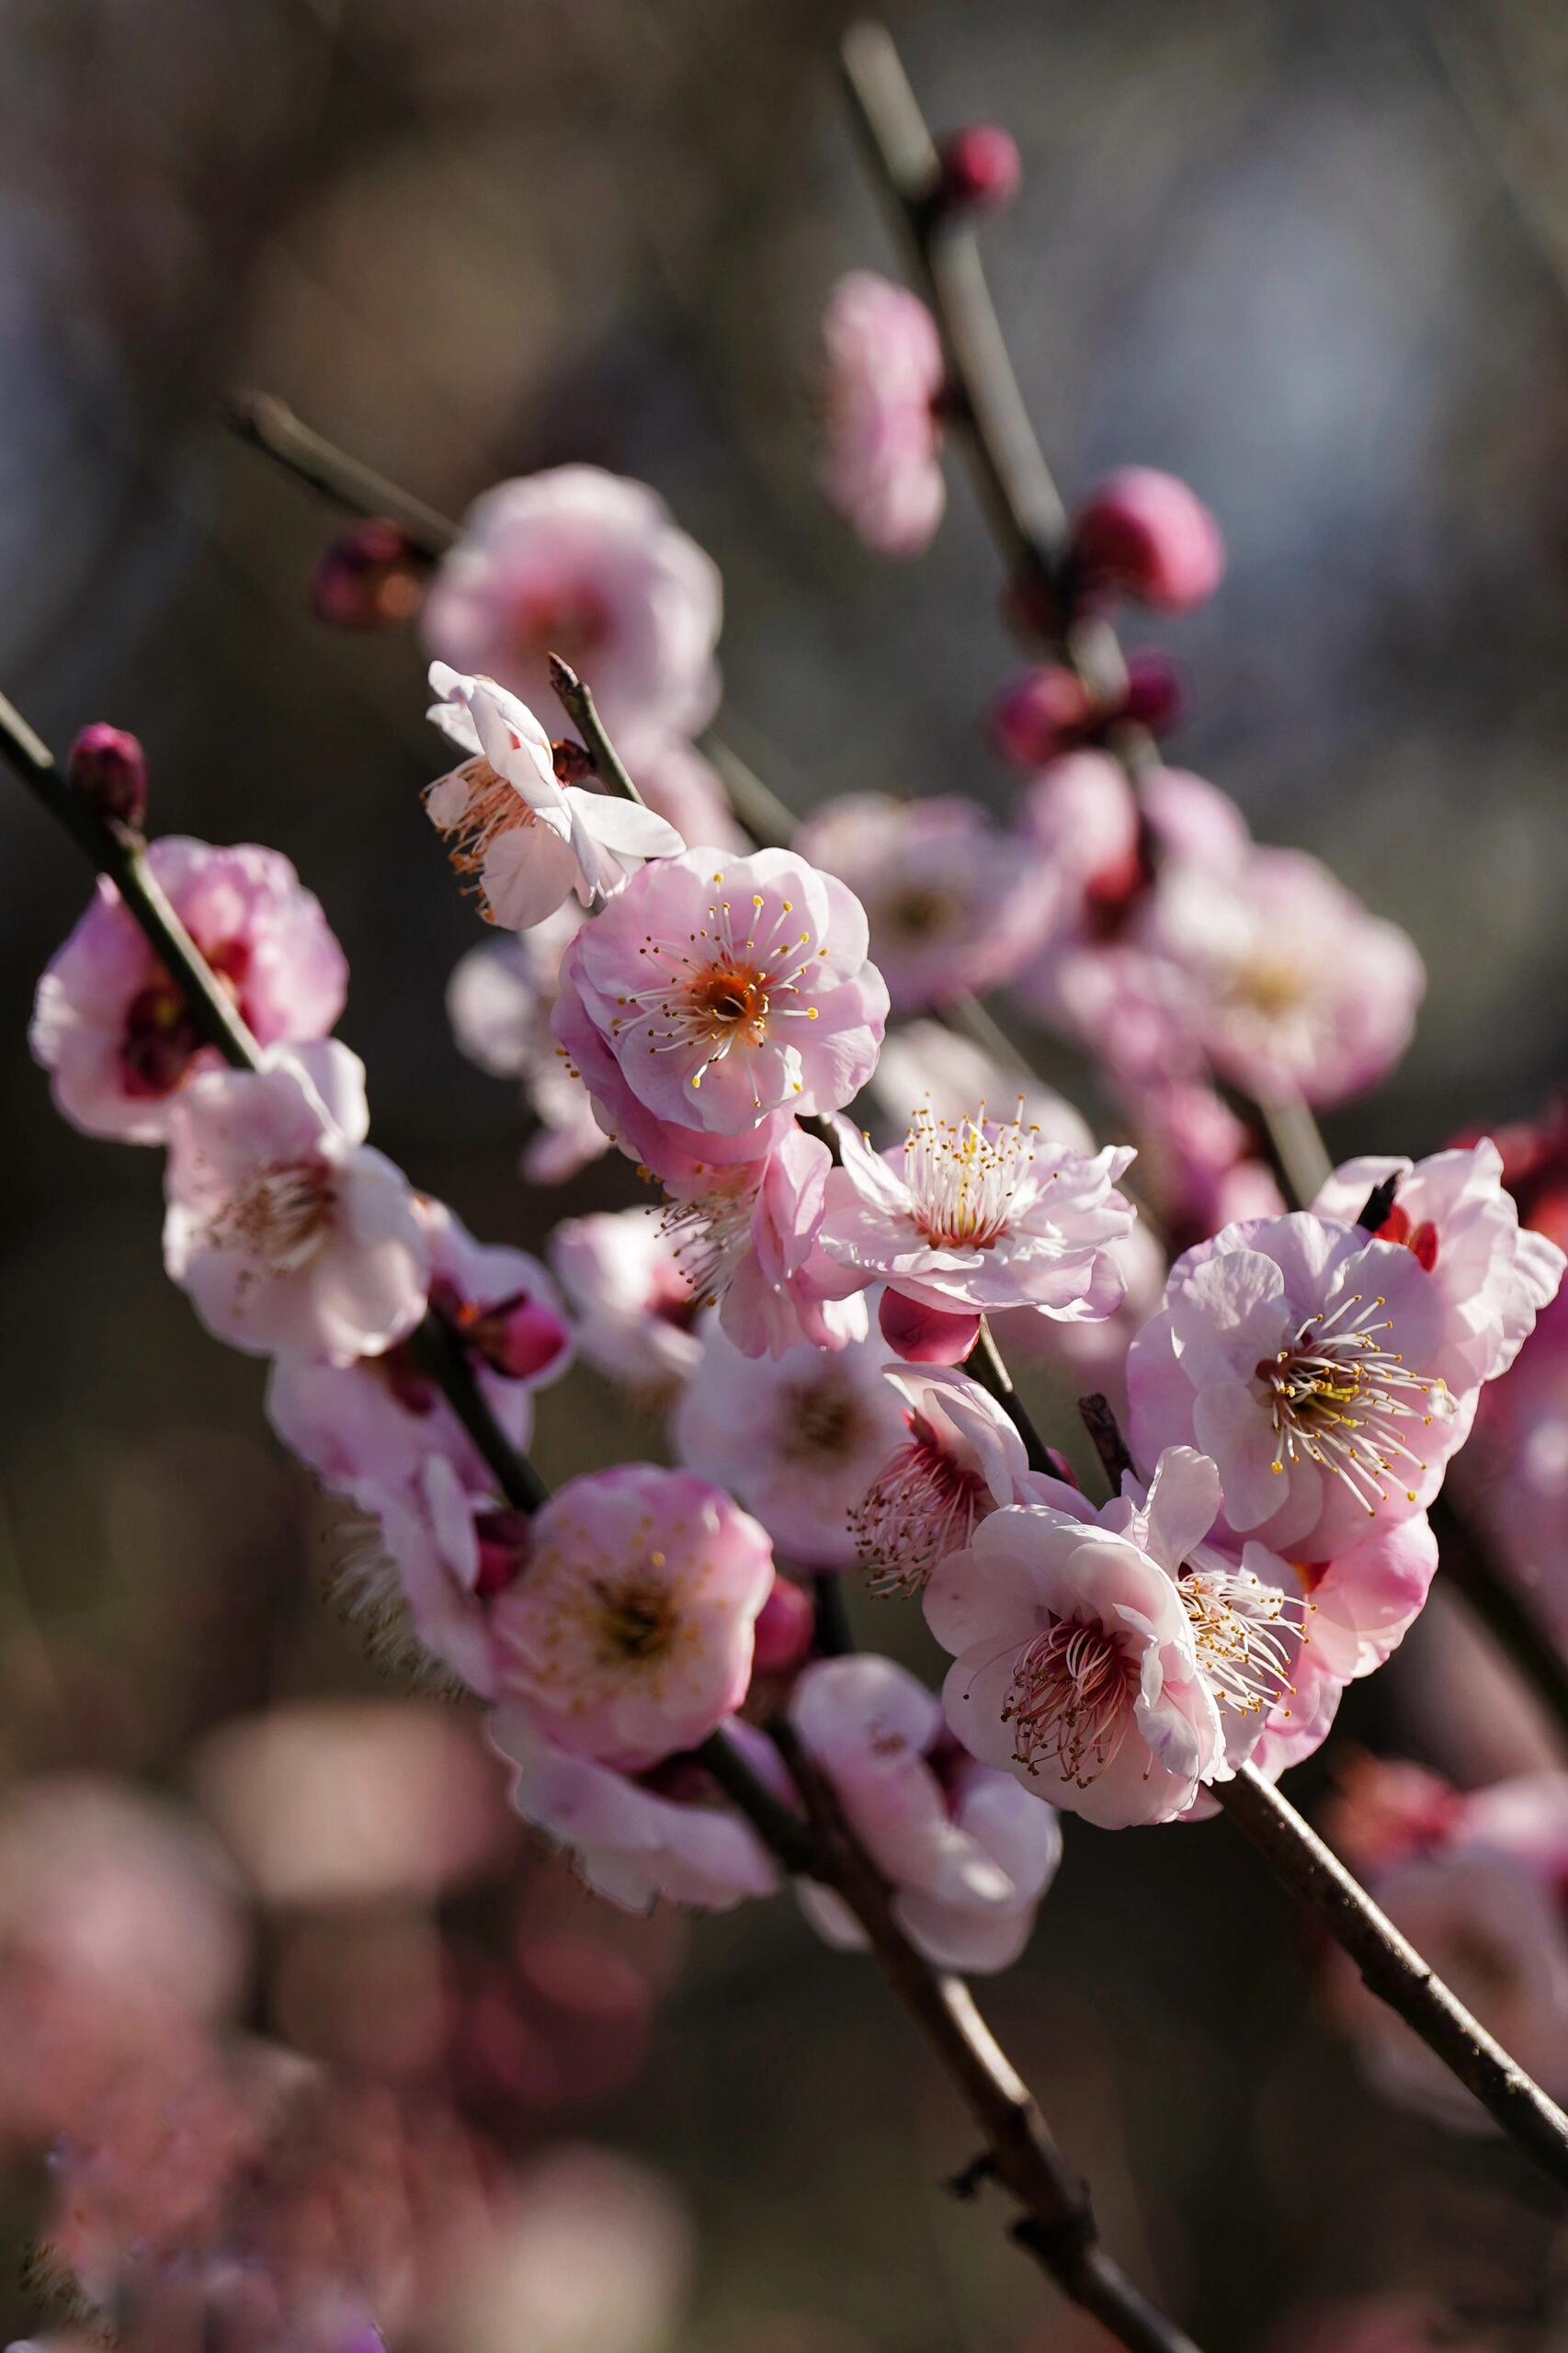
1057 2225
117 853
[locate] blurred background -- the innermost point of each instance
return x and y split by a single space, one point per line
1316 263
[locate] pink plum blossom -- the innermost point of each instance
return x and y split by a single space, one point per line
978 1215
528 841
727 989
1200 1161
1077 1663
442 1552
953 904
967 1852
582 564
1451 1214
633 1841
289 1232
798 1438
962 1459
882 380
500 1001
111 1026
1321 1369
372 1423
636 1311
1293 988
1399 2324
630 1637
747 1239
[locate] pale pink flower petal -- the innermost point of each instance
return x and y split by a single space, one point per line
630 1637
110 1025
883 374
290 1234
636 1311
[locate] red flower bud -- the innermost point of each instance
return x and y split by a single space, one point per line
785 1626
506 1539
108 769
1145 534
980 170
922 1334
370 577
518 1337
1042 714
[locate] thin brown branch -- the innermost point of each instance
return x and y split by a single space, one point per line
576 701
113 850
1395 1972
269 425
988 1366
1057 2222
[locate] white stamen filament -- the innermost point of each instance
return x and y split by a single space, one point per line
963 1177
721 995
1246 1632
1337 1394
280 1219
921 1506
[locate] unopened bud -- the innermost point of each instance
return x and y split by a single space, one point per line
518 1337
1145 534
922 1334
506 1540
981 169
109 770
1157 692
785 1626
1052 711
573 764
371 576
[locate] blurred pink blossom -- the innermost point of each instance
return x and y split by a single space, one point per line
969 1854
582 564
883 379
953 904
1145 534
499 1001
797 1438
747 1239
111 1026
633 1840
289 1232
631 1635
634 1306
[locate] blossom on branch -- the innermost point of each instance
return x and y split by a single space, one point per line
290 1233
112 1026
967 1852
527 841
882 380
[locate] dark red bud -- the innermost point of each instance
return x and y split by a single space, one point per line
1157 692
785 1627
573 764
981 169
1424 1245
1042 714
1146 535
506 1540
372 576
108 769
518 1337
922 1334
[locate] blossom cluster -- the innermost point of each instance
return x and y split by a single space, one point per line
812 1305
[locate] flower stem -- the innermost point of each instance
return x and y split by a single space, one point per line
117 852
269 425
1395 1972
576 701
1057 2225
987 1366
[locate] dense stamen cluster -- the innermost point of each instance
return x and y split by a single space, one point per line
1246 1632
710 1235
472 809
722 995
280 1219
1070 1700
922 1505
1337 1395
963 1174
